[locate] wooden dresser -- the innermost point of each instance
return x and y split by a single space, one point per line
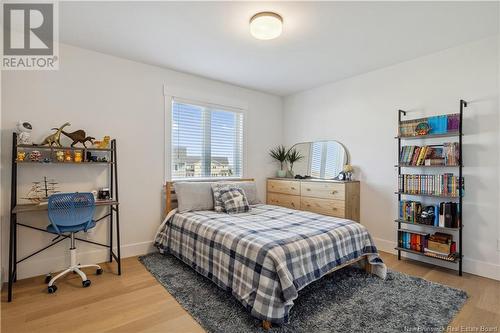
328 197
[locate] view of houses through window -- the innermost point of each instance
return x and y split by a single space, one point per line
207 141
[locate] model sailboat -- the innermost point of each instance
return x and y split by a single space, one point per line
40 191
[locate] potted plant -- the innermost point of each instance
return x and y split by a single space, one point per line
279 153
293 156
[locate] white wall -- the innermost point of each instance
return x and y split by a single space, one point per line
106 95
361 112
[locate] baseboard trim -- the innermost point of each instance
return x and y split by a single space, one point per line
472 266
39 267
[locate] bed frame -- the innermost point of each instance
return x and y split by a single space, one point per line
171 203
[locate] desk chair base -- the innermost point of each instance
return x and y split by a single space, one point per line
75 268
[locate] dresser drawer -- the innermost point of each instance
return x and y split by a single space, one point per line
323 190
283 186
323 206
284 200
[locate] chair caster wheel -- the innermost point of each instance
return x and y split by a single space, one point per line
52 289
48 277
98 271
86 283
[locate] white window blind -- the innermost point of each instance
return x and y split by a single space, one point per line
324 159
207 140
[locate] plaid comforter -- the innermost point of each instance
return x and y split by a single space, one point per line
265 256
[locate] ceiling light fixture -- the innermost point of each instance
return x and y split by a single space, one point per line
266 25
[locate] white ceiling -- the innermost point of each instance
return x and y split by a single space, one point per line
321 41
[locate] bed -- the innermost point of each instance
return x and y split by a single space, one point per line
266 256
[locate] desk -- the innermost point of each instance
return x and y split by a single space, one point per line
26 208
113 214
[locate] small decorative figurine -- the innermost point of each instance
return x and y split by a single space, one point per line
78 156
46 160
67 156
78 137
102 144
21 156
60 156
24 133
348 171
35 156
55 138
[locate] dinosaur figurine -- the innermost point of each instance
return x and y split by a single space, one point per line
55 138
78 136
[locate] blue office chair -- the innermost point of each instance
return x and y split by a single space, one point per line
71 213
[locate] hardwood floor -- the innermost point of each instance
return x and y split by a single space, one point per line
136 302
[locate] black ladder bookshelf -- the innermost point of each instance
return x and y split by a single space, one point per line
457 258
112 205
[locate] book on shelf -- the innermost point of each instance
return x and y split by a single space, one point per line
441 124
446 154
439 185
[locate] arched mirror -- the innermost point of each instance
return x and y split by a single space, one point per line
321 159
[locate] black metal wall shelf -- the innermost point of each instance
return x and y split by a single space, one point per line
458 257
454 260
426 166
429 136
37 147
69 163
426 225
427 195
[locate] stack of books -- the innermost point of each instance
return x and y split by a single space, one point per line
410 211
437 125
415 241
440 185
446 154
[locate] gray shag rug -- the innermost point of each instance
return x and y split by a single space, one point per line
348 300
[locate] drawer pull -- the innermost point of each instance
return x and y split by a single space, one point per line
293 205
333 192
308 205
293 188
308 189
334 208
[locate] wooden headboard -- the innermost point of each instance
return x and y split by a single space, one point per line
171 197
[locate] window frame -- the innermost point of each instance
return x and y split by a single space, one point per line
169 165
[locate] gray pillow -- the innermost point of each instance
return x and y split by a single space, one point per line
193 196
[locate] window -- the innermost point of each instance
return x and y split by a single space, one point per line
207 141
